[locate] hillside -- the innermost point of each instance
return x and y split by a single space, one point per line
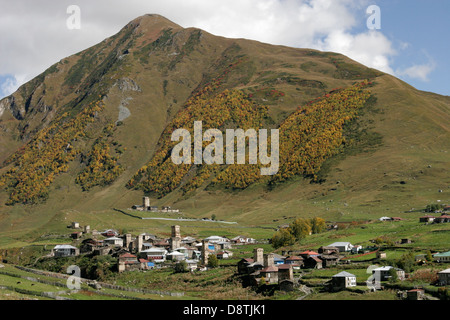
78 140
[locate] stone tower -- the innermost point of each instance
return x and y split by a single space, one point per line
176 233
175 240
268 260
258 255
127 241
205 252
146 202
137 244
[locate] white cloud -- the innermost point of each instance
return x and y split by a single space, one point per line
370 48
33 34
10 84
419 72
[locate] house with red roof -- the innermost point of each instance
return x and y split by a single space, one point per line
442 219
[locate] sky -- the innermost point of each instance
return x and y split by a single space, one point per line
406 38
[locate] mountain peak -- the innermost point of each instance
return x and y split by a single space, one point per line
153 21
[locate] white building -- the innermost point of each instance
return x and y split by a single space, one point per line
155 254
444 277
175 256
114 241
344 279
65 250
243 240
383 273
342 246
216 239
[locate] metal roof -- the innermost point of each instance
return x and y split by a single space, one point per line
344 274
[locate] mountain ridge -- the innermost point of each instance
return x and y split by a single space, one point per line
151 68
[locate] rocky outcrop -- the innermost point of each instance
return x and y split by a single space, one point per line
9 103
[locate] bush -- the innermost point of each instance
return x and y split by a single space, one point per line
282 238
213 262
181 267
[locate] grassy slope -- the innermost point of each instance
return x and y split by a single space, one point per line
414 126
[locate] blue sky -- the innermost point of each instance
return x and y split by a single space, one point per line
412 44
423 26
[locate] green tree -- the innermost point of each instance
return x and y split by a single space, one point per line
181 267
300 228
393 275
282 238
429 256
433 207
317 225
406 261
213 262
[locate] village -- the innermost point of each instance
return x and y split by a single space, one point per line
287 271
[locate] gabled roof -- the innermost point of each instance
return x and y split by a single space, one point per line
154 250
310 252
255 264
270 269
316 259
114 238
284 266
63 246
445 271
175 253
339 244
442 254
386 268
294 258
344 274
127 255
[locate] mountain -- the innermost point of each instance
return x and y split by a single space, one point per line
92 132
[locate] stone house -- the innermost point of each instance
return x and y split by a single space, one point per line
444 277
343 280
65 250
383 273
426 218
285 272
328 250
175 256
329 260
342 246
442 219
295 261
442 257
270 274
313 262
114 241
128 262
